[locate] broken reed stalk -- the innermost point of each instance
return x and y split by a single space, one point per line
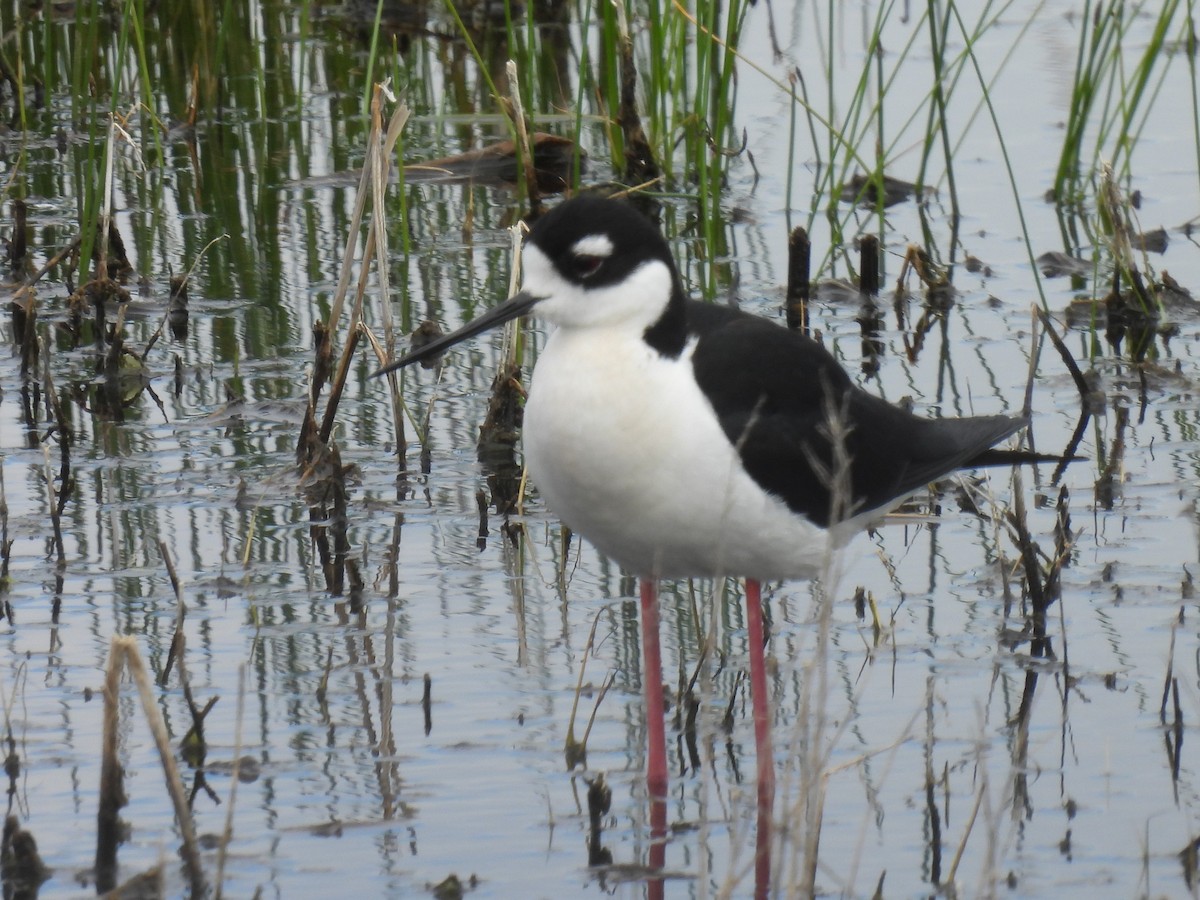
19 246
322 690
338 385
427 703
799 284
27 285
604 689
59 499
356 217
62 432
24 317
870 316
366 187
868 278
110 365
524 148
124 654
1034 582
1089 400
171 573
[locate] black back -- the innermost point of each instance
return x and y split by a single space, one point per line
778 395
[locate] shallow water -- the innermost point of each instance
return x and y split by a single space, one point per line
352 796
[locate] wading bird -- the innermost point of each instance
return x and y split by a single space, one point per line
690 439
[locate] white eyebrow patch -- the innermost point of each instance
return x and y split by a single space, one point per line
597 245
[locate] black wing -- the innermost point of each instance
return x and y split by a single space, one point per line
776 394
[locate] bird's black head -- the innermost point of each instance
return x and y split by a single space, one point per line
590 262
595 242
594 262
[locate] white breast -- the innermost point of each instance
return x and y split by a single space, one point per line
626 450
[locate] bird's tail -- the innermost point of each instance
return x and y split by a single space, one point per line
998 457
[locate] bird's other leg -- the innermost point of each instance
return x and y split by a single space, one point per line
656 753
761 701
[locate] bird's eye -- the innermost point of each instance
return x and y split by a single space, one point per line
585 265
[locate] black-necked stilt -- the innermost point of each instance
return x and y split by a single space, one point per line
689 439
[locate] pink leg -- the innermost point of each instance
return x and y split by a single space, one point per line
656 757
762 737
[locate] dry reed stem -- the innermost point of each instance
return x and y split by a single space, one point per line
526 151
948 881
380 158
6 545
511 342
360 205
604 689
815 732
384 355
251 528
339 380
574 749
373 182
125 649
1034 355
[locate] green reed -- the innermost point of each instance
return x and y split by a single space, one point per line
1116 84
715 98
89 168
869 134
1114 88
16 67
608 80
985 94
372 59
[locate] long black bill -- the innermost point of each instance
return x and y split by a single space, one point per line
516 305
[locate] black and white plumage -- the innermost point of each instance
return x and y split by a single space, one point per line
686 439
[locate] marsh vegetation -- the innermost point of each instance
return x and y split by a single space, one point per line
365 655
